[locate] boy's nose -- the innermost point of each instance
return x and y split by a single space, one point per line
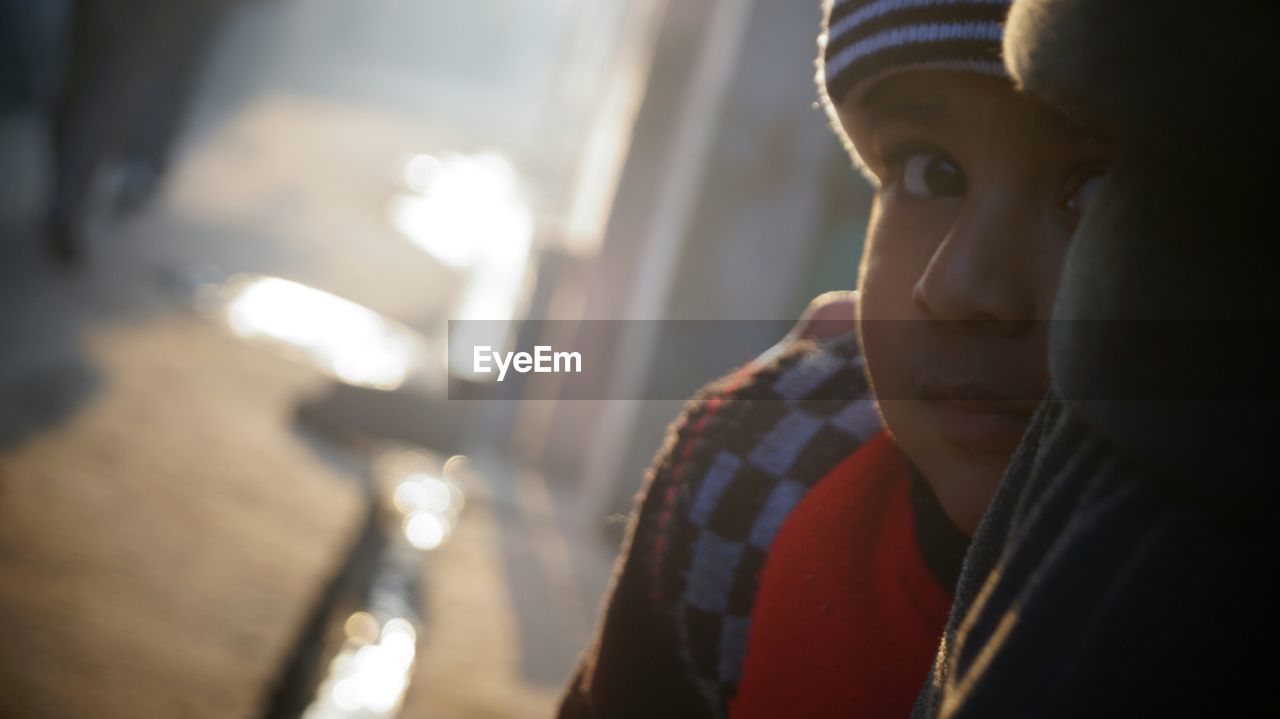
980 274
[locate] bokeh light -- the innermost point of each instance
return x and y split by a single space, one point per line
347 341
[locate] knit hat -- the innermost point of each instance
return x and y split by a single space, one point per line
864 41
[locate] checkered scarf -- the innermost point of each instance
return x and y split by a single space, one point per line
743 455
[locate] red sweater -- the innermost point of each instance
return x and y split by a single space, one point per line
848 615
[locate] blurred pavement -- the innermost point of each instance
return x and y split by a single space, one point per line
165 522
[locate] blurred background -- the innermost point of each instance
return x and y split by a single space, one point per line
237 478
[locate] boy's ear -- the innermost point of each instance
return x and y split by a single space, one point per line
1158 74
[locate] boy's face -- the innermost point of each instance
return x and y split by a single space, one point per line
980 190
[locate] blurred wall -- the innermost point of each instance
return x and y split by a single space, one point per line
776 216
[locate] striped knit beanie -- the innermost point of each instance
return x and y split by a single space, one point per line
864 41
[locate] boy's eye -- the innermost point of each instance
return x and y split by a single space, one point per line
1079 200
929 174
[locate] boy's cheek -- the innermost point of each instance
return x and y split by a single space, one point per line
886 282
885 345
902 237
881 276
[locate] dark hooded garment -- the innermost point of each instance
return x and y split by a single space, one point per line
1128 564
1091 589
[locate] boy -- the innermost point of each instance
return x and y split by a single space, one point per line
797 543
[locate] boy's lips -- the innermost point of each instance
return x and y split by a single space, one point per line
977 415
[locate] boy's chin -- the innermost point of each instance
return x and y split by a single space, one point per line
990 430
962 451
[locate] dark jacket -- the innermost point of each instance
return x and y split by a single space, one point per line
1126 566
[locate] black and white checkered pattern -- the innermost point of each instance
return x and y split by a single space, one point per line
772 438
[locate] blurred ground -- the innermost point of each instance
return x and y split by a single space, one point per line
160 539
165 523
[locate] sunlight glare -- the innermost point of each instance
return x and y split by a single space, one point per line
351 343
